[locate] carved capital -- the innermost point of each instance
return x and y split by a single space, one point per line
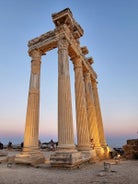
87 76
84 50
77 62
35 54
62 43
90 60
36 61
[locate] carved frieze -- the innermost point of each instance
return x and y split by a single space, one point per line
45 42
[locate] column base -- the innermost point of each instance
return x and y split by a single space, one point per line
84 148
33 158
106 151
66 158
66 147
101 152
89 156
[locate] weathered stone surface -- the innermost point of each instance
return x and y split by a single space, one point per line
66 159
33 159
84 50
90 60
65 17
3 153
131 149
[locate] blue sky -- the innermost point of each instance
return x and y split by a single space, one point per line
111 35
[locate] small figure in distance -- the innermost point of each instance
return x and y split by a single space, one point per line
9 145
1 145
52 147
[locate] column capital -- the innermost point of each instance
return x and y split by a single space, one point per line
77 62
62 43
87 76
36 61
35 53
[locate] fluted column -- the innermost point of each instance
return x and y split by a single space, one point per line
81 111
32 117
92 120
65 119
98 114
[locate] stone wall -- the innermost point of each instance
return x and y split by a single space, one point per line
131 149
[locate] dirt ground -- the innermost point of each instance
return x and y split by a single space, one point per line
125 172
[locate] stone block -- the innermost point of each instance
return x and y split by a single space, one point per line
32 159
66 159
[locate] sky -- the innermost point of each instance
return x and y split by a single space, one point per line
111 36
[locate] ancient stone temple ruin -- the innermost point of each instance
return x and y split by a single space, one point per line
91 142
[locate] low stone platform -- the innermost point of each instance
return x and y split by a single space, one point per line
32 159
3 153
66 159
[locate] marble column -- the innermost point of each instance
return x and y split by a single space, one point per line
98 114
92 120
81 110
66 155
65 118
32 117
31 152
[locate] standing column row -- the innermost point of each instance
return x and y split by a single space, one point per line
88 114
89 122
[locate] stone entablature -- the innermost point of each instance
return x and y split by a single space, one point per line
49 40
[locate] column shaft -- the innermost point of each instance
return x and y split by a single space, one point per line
92 120
65 119
32 117
98 114
81 111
